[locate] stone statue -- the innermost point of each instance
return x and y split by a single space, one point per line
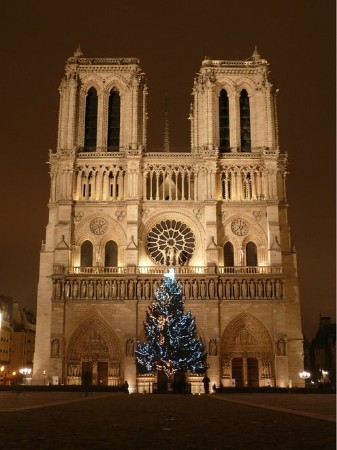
147 290
236 289
195 289
203 290
251 289
131 289
130 347
244 289
211 289
55 348
106 289
139 290
187 290
122 296
83 289
228 290
114 289
213 350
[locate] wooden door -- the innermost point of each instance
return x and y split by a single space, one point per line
102 373
253 372
237 371
87 373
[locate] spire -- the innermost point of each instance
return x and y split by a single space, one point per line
78 53
256 55
166 128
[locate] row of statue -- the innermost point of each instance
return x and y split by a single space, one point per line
192 289
75 370
266 368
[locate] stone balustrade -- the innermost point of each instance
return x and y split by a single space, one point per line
161 269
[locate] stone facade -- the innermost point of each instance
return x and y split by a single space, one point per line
119 215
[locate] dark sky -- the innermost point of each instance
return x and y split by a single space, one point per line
170 38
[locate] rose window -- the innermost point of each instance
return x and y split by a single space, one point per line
170 242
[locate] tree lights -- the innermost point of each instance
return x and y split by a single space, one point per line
171 342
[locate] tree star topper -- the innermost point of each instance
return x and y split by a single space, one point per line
170 274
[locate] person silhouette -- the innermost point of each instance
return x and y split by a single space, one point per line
206 382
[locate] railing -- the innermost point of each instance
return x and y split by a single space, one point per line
160 270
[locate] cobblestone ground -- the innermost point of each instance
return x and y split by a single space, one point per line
119 421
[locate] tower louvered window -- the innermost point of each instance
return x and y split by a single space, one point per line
224 122
245 122
114 121
90 133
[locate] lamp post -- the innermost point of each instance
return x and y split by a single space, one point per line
25 371
325 377
304 375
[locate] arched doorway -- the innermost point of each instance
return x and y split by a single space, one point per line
246 353
93 355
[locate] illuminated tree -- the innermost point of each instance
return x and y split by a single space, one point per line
171 342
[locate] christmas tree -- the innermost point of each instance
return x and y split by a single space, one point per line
171 343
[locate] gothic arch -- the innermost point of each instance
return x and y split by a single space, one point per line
116 83
255 231
225 83
249 85
94 339
246 335
85 87
114 231
91 83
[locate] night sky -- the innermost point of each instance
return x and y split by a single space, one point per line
170 38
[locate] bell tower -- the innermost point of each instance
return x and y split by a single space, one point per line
95 168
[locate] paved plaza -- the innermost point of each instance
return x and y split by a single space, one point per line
75 420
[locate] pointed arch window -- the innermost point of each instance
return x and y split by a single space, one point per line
245 121
228 254
86 254
111 254
224 122
114 121
251 254
247 186
90 133
226 188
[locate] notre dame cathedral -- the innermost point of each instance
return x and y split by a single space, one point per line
120 215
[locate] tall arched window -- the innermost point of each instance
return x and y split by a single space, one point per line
86 254
226 188
228 254
245 122
251 254
224 122
90 133
111 254
113 121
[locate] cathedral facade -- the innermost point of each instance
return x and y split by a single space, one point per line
120 215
